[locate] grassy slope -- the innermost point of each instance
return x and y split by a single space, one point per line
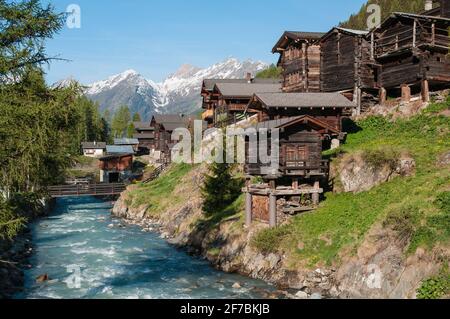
343 220
159 194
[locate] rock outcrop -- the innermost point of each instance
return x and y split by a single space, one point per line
356 174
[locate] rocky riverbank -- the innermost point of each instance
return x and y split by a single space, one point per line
14 254
379 268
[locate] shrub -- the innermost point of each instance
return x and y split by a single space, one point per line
443 201
435 288
381 157
403 222
269 240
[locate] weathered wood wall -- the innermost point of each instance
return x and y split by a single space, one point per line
301 68
338 62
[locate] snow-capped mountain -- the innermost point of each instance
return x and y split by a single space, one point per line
178 93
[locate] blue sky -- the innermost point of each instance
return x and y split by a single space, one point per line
155 37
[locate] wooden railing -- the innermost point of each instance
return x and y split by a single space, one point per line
156 173
412 38
81 190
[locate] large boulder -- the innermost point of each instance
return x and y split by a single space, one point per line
359 172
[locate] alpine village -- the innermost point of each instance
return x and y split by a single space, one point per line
363 183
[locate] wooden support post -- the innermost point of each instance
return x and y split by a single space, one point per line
382 95
248 209
316 195
272 184
433 33
295 183
414 34
272 210
372 46
357 96
406 93
425 91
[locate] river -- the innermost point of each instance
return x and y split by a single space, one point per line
85 256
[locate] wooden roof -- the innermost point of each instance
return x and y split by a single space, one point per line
209 84
350 32
144 136
93 145
125 141
144 126
290 121
302 100
245 90
295 36
170 118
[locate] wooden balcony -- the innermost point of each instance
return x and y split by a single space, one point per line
415 37
289 168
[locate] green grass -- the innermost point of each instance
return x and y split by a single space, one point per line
437 287
159 194
342 220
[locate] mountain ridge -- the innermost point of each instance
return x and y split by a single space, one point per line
178 93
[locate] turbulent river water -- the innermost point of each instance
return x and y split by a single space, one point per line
88 254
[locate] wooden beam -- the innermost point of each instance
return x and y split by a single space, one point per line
272 211
248 209
425 92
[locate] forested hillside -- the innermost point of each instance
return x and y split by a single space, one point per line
358 20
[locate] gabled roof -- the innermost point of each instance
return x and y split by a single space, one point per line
289 121
170 127
245 90
144 136
93 145
351 32
144 126
169 118
119 149
208 84
125 141
410 16
418 16
299 100
290 36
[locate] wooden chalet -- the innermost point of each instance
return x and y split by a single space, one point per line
93 149
329 108
412 53
116 168
145 134
211 99
299 60
307 122
346 63
164 126
233 99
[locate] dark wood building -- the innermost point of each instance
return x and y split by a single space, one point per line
328 108
299 60
233 99
307 123
211 99
145 134
116 168
411 52
164 126
346 63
